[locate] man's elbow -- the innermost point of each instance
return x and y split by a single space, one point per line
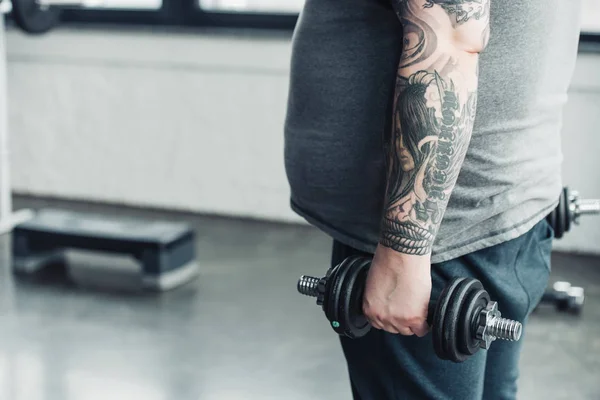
472 38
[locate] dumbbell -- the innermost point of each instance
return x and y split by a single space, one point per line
568 211
565 298
463 319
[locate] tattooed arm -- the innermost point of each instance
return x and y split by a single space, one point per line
434 109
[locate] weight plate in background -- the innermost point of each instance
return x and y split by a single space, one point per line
559 227
567 211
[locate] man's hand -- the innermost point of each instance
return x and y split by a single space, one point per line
397 292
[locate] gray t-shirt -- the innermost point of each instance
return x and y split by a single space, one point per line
342 77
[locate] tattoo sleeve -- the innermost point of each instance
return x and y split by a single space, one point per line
434 110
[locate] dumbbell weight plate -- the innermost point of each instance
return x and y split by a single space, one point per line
476 301
350 313
332 288
454 320
440 314
566 210
559 225
337 291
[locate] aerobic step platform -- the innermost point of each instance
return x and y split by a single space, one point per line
165 250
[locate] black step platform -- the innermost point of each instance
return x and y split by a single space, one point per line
165 250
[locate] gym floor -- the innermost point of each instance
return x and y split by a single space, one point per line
239 331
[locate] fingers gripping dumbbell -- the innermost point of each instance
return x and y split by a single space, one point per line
463 319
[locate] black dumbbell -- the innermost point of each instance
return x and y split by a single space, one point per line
568 211
565 298
463 319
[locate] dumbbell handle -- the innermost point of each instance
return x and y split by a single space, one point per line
579 206
309 286
588 207
494 327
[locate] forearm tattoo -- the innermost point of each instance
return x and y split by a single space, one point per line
463 10
434 112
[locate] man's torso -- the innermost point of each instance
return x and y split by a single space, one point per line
343 70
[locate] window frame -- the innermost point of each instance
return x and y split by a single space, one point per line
188 13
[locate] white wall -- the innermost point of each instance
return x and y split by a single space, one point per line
5 198
189 122
194 122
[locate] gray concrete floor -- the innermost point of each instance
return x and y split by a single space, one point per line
239 331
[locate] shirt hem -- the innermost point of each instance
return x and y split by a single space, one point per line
438 256
335 234
497 238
